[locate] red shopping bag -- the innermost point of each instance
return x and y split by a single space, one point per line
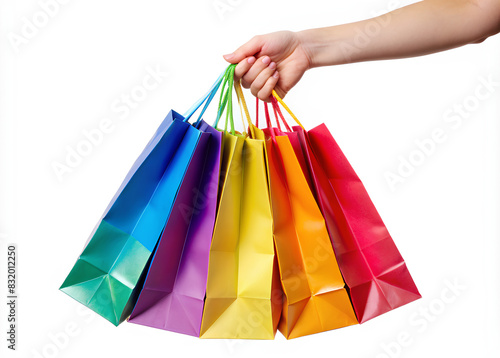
370 262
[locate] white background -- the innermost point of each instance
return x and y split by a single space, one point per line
64 80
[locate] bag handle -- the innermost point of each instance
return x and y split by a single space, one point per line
277 97
257 112
268 119
207 97
275 110
226 99
223 99
278 114
243 106
211 96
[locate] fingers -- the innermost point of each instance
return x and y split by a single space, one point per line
260 80
243 67
259 66
251 48
259 75
266 91
263 84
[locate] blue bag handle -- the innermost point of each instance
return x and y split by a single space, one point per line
206 98
227 78
211 96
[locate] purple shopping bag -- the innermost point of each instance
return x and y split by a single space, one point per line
172 297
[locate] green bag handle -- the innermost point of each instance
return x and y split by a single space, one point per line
222 98
226 99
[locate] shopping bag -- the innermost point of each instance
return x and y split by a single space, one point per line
374 270
109 272
315 296
172 297
243 294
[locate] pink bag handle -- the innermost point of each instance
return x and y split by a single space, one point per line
278 114
277 98
257 112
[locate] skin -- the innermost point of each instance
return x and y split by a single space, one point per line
279 60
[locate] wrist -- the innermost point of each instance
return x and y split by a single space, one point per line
322 46
305 39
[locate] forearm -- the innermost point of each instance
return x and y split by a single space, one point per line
418 29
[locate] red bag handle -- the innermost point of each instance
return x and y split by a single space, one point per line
257 112
278 115
277 98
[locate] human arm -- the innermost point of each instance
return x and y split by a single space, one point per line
418 29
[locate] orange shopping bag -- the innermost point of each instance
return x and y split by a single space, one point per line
315 296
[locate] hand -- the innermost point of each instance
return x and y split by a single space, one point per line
273 61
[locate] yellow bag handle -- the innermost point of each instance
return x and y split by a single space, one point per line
244 108
275 95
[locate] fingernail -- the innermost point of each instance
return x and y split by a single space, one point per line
251 60
272 66
276 74
228 57
266 60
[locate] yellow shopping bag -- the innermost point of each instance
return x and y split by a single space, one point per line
244 296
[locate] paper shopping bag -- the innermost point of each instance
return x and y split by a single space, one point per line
243 291
315 296
243 295
109 273
370 262
172 297
372 266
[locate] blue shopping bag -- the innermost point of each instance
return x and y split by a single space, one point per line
108 274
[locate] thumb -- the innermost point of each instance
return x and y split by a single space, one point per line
251 48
